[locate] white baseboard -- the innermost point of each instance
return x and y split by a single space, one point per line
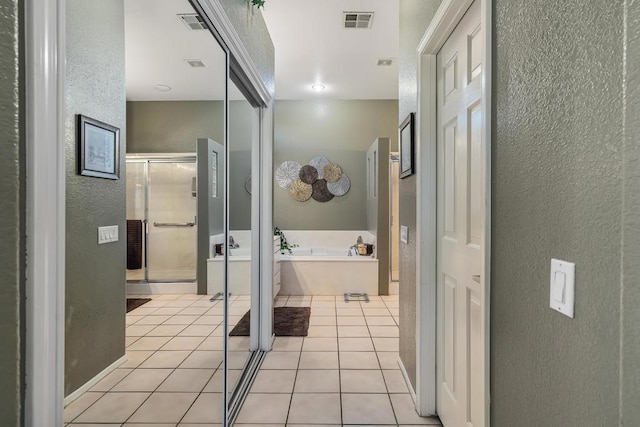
161 288
407 380
95 380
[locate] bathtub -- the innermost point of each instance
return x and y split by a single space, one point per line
239 265
327 271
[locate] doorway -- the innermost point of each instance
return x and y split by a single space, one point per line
394 205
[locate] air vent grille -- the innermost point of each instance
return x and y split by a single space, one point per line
195 63
193 21
385 62
358 20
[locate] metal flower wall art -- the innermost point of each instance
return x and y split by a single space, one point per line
319 180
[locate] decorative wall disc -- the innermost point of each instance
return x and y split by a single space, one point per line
287 172
340 187
332 172
308 174
300 191
319 163
321 192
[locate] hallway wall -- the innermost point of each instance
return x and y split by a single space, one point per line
557 172
12 215
95 274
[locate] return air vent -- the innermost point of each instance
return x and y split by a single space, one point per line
360 20
193 21
195 63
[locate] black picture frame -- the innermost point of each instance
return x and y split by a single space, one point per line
406 143
98 148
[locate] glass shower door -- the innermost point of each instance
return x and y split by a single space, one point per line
172 225
136 219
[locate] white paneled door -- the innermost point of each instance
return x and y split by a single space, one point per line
460 219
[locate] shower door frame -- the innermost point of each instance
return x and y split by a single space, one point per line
147 159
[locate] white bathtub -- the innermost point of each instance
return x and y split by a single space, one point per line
327 271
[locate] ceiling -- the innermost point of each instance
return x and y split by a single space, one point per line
305 34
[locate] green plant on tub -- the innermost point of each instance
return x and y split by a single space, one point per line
284 245
258 3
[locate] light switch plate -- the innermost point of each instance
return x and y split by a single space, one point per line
562 287
404 234
107 234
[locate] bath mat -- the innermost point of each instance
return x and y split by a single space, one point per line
133 303
287 322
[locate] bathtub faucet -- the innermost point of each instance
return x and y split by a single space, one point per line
359 240
232 243
353 250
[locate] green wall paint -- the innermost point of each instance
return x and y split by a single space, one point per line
12 227
95 274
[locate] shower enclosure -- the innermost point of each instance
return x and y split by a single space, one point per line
161 206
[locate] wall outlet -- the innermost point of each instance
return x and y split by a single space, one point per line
107 234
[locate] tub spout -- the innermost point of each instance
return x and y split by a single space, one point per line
232 243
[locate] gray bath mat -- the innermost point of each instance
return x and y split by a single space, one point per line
287 322
133 303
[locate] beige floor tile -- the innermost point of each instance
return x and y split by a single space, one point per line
197 331
319 360
323 311
395 381
388 359
392 304
130 340
165 359
179 303
312 408
238 343
237 359
362 381
380 321
264 408
163 408
355 344
324 298
113 407
138 330
209 320
405 411
187 380
351 321
149 343
110 380
143 425
194 311
281 360
142 380
367 409
206 409
394 311
353 331
384 331
322 332
298 304
202 360
167 311
183 343
181 320
372 312
142 311
166 330
152 320
215 384
386 344
212 343
287 344
75 408
274 381
322 321
135 358
132 319
358 360
317 381
323 304
349 311
320 344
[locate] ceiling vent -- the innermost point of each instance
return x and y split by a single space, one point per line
195 63
193 21
385 62
360 20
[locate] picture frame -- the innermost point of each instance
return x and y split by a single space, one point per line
98 148
407 136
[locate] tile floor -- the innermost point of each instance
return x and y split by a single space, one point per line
345 372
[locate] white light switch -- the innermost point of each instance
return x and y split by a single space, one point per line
107 234
562 296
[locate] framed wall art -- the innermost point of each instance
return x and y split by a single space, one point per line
98 148
407 135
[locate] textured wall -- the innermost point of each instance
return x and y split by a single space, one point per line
415 16
12 194
95 281
630 376
557 157
342 131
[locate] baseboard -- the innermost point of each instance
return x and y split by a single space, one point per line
95 380
407 380
161 288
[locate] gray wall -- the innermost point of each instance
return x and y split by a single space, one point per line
12 190
342 131
415 16
557 164
95 274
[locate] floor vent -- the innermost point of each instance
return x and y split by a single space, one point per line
361 20
193 21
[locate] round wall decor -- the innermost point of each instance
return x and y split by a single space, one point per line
340 187
332 172
300 191
319 163
287 172
308 174
321 192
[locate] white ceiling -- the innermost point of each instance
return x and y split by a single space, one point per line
311 46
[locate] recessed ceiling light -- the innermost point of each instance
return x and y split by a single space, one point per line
318 87
162 88
385 62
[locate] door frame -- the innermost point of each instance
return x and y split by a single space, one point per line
443 24
45 115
